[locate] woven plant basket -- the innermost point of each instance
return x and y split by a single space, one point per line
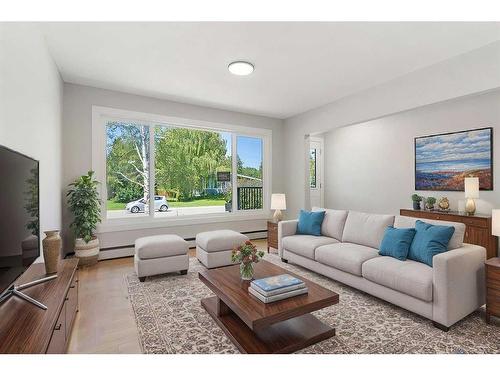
87 252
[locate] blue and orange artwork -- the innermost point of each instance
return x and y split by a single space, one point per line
443 161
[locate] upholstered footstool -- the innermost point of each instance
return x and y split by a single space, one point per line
213 249
155 255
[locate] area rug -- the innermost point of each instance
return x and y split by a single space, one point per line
171 320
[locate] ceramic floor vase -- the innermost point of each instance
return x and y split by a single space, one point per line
51 250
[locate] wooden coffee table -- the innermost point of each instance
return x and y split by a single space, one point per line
255 327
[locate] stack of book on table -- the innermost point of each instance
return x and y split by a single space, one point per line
275 288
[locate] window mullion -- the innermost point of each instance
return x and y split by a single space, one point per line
102 172
266 187
234 173
152 192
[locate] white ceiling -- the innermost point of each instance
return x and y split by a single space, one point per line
298 66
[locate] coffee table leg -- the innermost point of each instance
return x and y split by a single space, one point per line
221 308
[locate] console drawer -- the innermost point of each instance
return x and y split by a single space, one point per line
57 343
71 306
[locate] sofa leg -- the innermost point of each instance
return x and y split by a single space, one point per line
142 279
184 272
441 327
284 260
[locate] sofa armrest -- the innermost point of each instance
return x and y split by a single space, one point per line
285 228
458 283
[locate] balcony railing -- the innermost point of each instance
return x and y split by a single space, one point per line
249 198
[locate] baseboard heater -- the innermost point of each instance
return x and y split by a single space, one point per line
128 250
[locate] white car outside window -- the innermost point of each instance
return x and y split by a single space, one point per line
140 205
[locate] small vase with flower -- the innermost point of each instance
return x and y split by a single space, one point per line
246 254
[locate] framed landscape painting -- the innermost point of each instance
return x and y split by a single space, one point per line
442 161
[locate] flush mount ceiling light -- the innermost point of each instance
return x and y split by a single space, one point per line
241 68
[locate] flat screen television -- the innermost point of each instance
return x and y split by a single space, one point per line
19 215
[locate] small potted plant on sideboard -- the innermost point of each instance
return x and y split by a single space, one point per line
429 203
85 205
416 201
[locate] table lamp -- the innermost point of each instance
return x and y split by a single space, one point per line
471 193
278 203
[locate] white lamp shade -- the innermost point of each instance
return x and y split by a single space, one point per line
495 222
278 202
471 187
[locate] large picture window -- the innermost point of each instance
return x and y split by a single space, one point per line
187 162
156 169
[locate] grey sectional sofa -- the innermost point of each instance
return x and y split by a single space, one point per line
347 251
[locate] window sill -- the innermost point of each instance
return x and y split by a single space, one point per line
117 225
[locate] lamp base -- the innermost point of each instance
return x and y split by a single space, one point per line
278 216
470 207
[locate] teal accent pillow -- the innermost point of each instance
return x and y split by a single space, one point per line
310 222
429 240
396 242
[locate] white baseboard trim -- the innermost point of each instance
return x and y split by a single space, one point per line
128 251
116 253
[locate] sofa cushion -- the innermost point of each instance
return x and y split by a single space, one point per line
310 222
219 240
347 257
304 245
429 240
396 242
366 229
160 246
333 223
457 239
408 277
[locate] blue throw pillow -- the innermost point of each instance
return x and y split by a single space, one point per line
310 222
396 242
429 240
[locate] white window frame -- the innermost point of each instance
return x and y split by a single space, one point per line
102 115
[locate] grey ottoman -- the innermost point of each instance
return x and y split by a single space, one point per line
213 249
155 255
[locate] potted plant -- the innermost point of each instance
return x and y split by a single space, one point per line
429 203
84 204
247 254
416 201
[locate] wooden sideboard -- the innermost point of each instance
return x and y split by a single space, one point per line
25 328
477 227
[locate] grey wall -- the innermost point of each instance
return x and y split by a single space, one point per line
30 110
370 166
471 73
77 147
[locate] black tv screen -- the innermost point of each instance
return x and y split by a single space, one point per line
19 215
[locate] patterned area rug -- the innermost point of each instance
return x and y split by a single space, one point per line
171 320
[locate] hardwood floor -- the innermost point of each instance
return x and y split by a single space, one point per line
105 322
